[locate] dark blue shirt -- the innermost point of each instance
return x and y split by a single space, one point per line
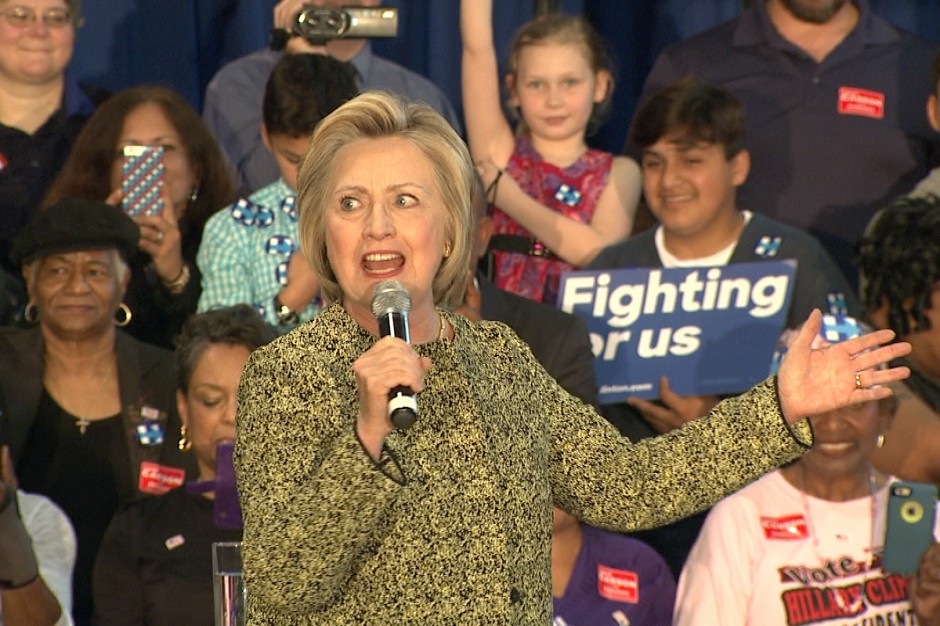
831 142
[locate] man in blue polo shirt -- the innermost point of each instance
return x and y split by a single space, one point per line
232 107
835 110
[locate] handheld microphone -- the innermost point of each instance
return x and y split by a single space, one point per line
390 305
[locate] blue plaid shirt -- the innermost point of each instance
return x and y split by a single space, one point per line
245 250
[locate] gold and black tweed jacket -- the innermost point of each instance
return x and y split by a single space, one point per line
453 526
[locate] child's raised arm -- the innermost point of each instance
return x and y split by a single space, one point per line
488 132
492 141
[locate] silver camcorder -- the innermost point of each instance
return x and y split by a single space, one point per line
319 25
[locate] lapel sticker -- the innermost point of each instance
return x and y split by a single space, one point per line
618 584
567 194
788 527
159 479
767 246
855 101
837 305
150 433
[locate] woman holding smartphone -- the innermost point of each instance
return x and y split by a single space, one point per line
165 282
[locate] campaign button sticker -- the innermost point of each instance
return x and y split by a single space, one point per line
855 101
150 433
159 479
619 585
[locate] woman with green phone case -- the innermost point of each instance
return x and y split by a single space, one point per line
804 543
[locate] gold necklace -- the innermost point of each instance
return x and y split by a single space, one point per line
443 328
56 390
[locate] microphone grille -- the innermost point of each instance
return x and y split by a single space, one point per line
390 295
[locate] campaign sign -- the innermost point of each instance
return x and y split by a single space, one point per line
711 330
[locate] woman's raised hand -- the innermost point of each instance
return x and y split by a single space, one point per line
817 380
160 238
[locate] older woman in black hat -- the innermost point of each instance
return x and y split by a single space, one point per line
92 414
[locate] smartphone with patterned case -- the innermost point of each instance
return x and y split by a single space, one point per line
141 180
909 525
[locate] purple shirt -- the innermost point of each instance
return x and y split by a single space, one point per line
616 581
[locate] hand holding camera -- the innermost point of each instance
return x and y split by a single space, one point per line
297 24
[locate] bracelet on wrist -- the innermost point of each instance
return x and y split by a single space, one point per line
490 193
286 316
178 284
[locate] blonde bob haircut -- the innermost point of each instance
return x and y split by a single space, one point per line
378 115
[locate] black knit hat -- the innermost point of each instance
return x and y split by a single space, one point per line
70 225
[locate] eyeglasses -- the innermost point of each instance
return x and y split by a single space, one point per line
24 17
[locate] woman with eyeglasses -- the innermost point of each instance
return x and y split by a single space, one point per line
42 107
165 282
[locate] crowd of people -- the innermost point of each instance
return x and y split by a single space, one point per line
215 372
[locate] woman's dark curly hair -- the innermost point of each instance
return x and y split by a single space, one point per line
899 261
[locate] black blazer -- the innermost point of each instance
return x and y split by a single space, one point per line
558 340
147 377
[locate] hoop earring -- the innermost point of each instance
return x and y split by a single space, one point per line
184 444
30 313
123 321
880 441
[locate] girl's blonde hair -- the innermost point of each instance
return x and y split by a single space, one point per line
562 29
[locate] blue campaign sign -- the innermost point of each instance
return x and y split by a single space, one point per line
711 330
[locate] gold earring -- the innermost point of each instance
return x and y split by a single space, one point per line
184 443
447 250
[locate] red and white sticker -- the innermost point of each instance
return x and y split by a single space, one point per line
855 101
159 479
619 585
787 527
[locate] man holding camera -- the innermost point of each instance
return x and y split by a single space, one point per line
233 101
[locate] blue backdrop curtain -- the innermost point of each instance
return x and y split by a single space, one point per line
181 43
